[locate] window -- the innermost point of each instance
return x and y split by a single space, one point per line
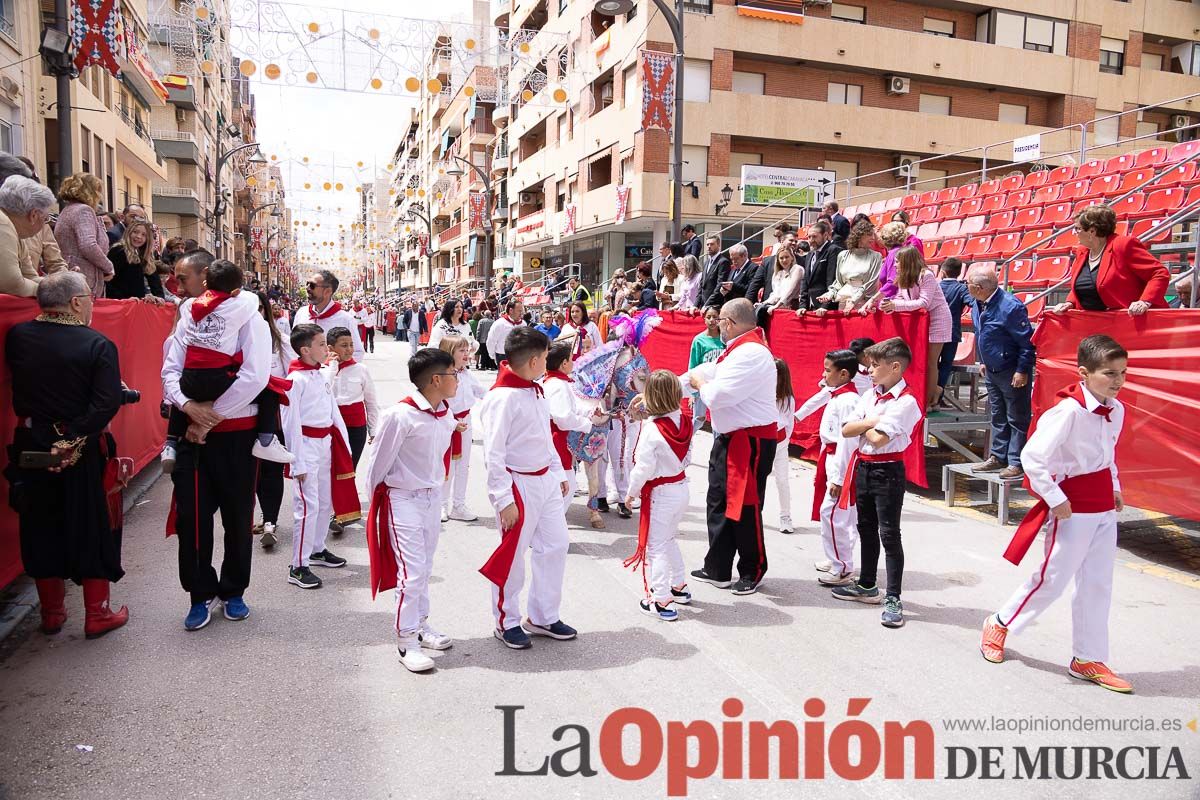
1013 113
6 136
931 179
695 80
600 172
1147 129
845 94
749 82
1106 131
632 13
561 196
843 170
1022 31
563 132
846 13
127 193
698 6
935 104
695 163
85 152
629 86
939 27
1112 56
1152 61
736 160
602 91
8 25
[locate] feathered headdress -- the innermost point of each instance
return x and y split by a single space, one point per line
635 330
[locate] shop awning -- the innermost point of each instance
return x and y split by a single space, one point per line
790 11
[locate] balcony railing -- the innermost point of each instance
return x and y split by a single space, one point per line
135 124
173 136
451 233
175 191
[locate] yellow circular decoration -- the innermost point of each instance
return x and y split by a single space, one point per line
391 167
560 95
360 164
468 91
305 159
373 34
338 186
308 186
469 44
207 67
434 86
311 77
376 84
314 27
201 12
274 158
408 192
272 71
247 68
391 192
358 189
271 184
305 223
252 181
412 84
420 192
524 47
439 195
326 186
527 95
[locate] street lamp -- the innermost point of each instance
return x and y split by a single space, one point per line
726 196
457 171
416 211
674 18
219 209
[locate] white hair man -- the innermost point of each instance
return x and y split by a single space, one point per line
25 205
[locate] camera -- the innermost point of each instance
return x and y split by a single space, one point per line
130 396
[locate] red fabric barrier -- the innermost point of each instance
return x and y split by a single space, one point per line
1158 457
803 343
139 331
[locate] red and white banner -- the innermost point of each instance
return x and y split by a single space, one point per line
423 245
478 211
256 238
622 203
570 213
658 89
96 27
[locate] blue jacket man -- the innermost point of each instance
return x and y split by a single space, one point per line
1004 341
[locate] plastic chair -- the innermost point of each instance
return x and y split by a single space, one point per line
989 187
1131 205
1075 189
1006 244
1162 202
925 214
946 229
1140 227
1105 186
1046 194
993 203
1135 178
1065 242
1061 174
892 204
1154 157
928 231
1056 214
964 356
1035 308
1119 164
1053 269
1020 275
1183 150
1034 238
946 195
1023 219
1035 180
910 201
877 207
1181 174
948 211
999 221
971 206
950 247
929 198
1091 169
977 248
972 225
966 191
1017 199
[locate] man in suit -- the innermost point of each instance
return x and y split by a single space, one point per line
841 225
821 268
716 270
691 242
741 271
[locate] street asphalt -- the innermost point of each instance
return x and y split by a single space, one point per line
306 698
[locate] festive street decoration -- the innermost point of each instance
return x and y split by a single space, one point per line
658 89
96 38
622 203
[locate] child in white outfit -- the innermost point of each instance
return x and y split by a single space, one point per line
785 401
470 390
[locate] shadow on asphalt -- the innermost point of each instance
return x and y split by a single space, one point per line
593 650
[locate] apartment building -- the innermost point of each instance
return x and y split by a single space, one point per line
857 88
20 83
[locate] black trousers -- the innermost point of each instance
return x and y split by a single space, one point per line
206 385
216 476
270 490
369 343
358 440
880 500
745 536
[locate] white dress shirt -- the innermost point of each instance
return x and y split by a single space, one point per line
351 385
339 319
498 333
838 411
898 418
565 409
653 457
862 381
219 329
442 329
410 447
470 391
787 416
591 334
516 435
1071 440
310 404
741 390
253 342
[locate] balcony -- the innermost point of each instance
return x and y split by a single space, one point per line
500 9
182 97
445 237
178 145
176 200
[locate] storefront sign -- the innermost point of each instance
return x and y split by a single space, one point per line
786 187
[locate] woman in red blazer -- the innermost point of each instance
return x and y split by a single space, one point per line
1113 272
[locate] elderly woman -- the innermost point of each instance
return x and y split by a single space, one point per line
80 233
687 288
24 208
893 236
857 270
66 389
1113 272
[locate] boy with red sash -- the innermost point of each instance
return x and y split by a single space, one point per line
526 484
470 391
323 469
405 471
839 527
736 388
880 429
660 458
1070 465
566 414
353 391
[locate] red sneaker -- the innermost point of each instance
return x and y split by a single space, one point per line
1098 673
992 645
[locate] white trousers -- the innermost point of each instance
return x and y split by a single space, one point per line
454 492
839 534
780 472
665 561
311 501
1082 547
621 436
416 524
543 530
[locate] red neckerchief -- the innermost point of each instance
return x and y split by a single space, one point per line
329 311
298 366
559 375
755 335
678 437
1075 392
882 396
845 388
439 414
508 319
508 379
207 303
349 362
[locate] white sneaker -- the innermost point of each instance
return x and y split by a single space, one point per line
167 460
462 513
445 515
275 451
269 539
785 525
411 656
836 579
432 638
824 566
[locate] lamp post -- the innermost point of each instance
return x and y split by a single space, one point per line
674 18
487 232
219 208
274 213
416 211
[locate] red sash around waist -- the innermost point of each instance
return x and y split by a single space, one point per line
821 481
205 358
559 437
1089 494
741 477
235 424
499 564
639 555
849 495
456 438
354 414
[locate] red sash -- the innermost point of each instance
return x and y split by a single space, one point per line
679 439
849 495
344 494
231 425
456 439
301 366
821 481
499 564
437 415
205 358
207 303
508 379
329 311
755 335
281 387
354 414
741 476
379 544
557 434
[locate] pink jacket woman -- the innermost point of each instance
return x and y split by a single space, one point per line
80 233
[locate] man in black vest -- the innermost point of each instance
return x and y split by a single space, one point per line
821 268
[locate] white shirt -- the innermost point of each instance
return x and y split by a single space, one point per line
219 329
741 390
366 317
284 327
253 342
1071 440
516 435
281 360
653 457
787 416
470 390
565 408
410 447
498 333
862 381
898 419
310 403
351 385
339 319
442 329
591 334
838 411
688 292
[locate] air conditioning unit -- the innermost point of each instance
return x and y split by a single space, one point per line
907 167
1179 120
527 198
897 84
180 115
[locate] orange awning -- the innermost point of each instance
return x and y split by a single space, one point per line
795 18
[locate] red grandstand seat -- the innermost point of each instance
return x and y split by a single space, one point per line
1032 306
1054 269
1035 180
1183 151
876 207
947 229
1080 205
1017 199
992 203
967 190
1105 186
945 195
1065 242
1075 189
1153 157
929 198
1091 169
999 221
1122 228
950 247
977 247
925 214
989 187
1023 219
1180 174
972 225
1046 194
1135 178
948 211
1005 244
910 201
1020 275
1140 227
1011 183
1119 164
1056 214
1034 239
1163 201
965 354
878 219
892 204
928 231
1130 205
1061 174
1192 196
971 206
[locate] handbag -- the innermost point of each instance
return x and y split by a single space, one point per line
118 471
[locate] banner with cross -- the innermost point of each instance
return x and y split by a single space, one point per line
658 90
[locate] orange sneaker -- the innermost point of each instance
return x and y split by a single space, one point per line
992 645
1099 674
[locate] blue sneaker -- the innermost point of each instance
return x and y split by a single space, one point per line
514 638
681 595
199 616
665 613
236 609
555 630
